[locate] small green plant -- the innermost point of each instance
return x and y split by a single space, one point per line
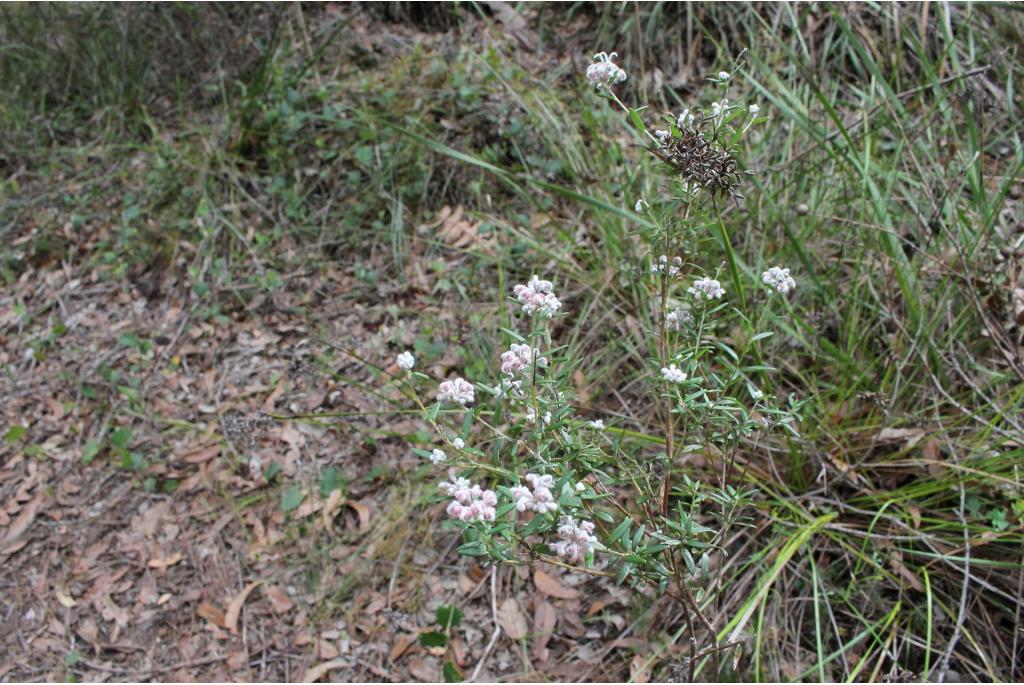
447 617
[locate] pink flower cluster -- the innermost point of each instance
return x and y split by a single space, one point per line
457 391
520 357
604 73
469 502
577 539
663 266
706 289
537 298
541 500
678 318
778 279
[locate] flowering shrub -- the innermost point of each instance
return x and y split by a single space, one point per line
571 491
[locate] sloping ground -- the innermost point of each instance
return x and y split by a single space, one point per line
141 541
173 312
134 565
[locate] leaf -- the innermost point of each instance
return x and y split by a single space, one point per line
89 452
121 438
272 471
279 600
638 122
21 524
166 563
330 480
15 433
363 512
473 549
235 608
211 613
911 435
544 619
401 646
448 615
451 673
551 587
432 638
316 672
291 499
511 619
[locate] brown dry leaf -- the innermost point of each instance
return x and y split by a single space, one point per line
457 231
292 436
325 648
582 387
202 454
544 619
915 514
844 469
237 660
466 584
932 455
320 670
401 645
165 563
268 404
90 632
211 613
150 521
308 506
896 559
112 612
425 670
315 398
279 601
235 608
363 511
911 435
637 671
511 619
22 522
551 587
458 651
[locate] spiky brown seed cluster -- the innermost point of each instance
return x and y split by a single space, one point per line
698 158
241 430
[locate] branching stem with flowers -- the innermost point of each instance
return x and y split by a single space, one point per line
530 480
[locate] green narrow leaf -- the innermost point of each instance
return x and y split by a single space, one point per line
691 567
621 530
473 549
638 122
734 269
